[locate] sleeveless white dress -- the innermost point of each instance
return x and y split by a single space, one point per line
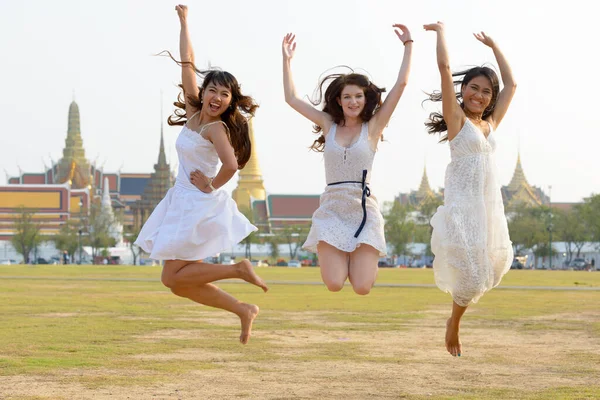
340 211
189 224
470 237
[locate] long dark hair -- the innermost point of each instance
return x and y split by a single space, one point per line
436 123
235 116
337 83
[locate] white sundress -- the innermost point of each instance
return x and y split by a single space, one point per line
340 212
189 224
470 237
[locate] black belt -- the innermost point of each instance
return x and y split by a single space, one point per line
366 192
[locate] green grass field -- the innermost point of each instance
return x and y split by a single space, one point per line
80 332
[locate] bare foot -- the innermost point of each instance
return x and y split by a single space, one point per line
247 273
246 318
453 344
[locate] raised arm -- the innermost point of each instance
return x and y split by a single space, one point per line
451 111
508 91
288 49
186 54
381 119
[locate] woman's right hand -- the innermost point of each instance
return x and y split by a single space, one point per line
181 12
288 46
437 27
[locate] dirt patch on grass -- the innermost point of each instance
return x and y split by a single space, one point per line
350 364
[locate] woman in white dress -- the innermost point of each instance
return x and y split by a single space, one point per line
195 220
347 228
470 238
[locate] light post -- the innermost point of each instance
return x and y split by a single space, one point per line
80 227
79 245
550 227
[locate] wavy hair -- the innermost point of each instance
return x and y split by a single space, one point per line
436 123
236 116
336 84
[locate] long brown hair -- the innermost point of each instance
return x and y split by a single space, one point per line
337 83
436 124
235 116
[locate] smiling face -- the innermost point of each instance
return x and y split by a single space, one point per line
215 99
352 100
477 94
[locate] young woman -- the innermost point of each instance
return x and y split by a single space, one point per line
195 220
347 228
470 233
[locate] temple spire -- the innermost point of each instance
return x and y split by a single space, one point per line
424 188
518 178
162 158
252 169
250 184
73 167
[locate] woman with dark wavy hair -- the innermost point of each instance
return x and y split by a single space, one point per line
470 234
347 228
195 220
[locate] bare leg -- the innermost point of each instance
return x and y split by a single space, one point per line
363 268
334 266
194 273
210 295
453 344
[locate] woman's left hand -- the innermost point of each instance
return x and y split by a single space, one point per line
402 32
201 181
485 39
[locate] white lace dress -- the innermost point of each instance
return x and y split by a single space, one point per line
470 238
189 224
340 212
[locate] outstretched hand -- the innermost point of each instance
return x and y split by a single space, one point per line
437 27
181 12
201 181
402 32
288 46
485 39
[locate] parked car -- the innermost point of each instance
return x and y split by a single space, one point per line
516 264
5 262
294 264
578 264
385 264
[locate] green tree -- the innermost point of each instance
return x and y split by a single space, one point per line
98 229
571 229
399 227
67 239
131 234
427 209
526 228
294 236
252 237
273 241
590 214
27 234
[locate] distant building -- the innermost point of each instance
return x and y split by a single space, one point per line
67 188
270 211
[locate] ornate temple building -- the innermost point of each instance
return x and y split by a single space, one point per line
155 189
270 211
519 191
67 188
416 197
